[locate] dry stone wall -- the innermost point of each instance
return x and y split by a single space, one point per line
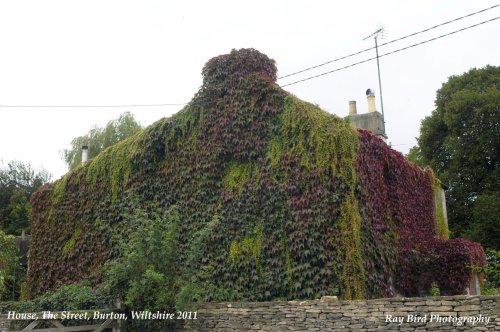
4 326
453 313
449 313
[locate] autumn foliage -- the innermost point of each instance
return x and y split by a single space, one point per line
292 202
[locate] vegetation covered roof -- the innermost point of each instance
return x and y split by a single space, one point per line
276 199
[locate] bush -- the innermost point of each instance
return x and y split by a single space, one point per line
9 268
434 290
492 272
145 277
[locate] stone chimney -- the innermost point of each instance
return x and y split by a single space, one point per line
373 120
352 108
370 96
85 153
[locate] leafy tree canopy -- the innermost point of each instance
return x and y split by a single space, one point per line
8 262
17 182
99 138
460 140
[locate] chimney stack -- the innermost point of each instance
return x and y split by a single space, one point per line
352 107
370 95
85 153
373 120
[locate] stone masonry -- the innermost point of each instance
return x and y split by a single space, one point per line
451 313
329 314
4 326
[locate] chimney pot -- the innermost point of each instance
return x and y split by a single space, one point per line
85 153
370 95
352 108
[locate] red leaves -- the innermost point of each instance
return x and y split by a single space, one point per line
182 160
456 259
397 196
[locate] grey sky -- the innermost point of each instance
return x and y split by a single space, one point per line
152 52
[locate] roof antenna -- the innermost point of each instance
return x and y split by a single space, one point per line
375 35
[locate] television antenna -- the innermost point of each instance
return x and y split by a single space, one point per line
375 35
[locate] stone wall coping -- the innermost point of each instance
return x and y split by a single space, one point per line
217 305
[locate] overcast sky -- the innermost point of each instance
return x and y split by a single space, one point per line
152 52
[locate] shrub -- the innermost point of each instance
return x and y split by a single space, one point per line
145 276
492 272
11 273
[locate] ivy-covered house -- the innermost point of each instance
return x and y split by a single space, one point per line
293 202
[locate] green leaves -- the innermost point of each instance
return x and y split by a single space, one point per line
237 175
17 182
145 276
275 199
9 262
461 139
485 225
97 139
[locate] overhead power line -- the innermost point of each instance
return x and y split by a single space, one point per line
297 72
392 52
90 106
403 144
389 42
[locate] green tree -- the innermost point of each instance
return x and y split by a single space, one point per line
492 272
484 226
9 263
460 140
415 155
98 138
17 182
19 212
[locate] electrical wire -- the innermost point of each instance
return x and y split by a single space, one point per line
404 144
392 52
389 42
297 72
89 106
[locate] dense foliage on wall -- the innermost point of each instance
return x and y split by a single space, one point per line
273 197
460 140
